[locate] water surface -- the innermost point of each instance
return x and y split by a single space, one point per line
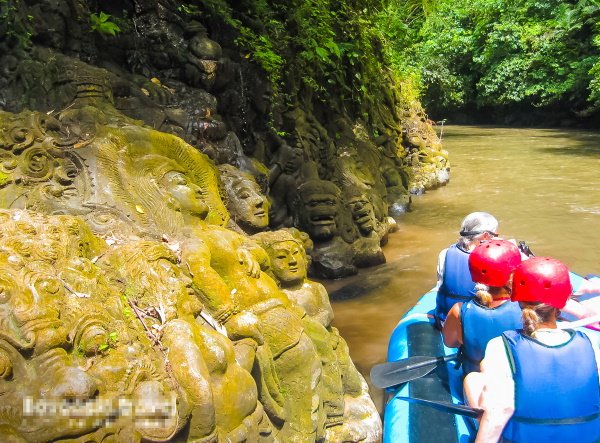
543 185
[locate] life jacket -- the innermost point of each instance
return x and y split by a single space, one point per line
457 285
557 398
480 324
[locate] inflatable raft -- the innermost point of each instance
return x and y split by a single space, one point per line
404 421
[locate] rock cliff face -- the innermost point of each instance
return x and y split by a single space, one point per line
156 234
159 66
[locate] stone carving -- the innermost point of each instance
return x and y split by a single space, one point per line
319 212
133 313
247 206
66 340
201 361
288 265
367 246
90 95
288 170
39 170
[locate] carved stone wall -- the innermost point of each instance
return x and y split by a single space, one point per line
133 170
163 70
123 287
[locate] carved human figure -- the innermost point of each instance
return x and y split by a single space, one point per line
247 206
362 212
367 246
318 212
359 168
288 264
223 265
286 172
202 361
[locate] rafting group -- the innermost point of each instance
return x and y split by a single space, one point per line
521 373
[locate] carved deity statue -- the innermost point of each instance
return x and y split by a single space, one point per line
247 206
201 360
287 171
134 291
318 211
225 268
367 246
288 265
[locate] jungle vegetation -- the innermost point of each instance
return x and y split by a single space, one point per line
510 61
517 61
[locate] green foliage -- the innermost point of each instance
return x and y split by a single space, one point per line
103 25
500 52
14 26
334 48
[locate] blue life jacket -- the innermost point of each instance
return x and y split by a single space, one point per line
480 324
457 285
557 398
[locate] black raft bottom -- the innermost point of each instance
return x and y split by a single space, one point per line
426 423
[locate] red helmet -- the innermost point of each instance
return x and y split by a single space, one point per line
544 280
492 262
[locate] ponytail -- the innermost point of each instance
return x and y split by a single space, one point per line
533 315
484 298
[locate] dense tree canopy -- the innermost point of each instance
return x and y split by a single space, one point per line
527 56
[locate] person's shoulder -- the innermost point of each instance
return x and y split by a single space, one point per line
593 336
456 309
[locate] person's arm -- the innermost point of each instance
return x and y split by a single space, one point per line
575 308
493 422
589 286
452 330
325 312
498 396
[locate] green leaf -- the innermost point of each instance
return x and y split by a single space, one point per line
322 52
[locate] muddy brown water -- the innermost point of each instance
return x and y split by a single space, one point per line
543 185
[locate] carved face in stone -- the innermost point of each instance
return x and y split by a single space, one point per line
245 201
250 205
287 262
187 195
317 209
362 214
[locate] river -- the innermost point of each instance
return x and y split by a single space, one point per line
543 185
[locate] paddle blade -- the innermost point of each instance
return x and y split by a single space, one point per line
395 373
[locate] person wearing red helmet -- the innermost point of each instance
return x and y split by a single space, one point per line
472 324
539 383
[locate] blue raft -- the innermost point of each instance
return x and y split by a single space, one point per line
415 335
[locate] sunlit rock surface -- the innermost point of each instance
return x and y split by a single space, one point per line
124 286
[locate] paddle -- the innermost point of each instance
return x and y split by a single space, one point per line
525 249
394 373
575 324
446 406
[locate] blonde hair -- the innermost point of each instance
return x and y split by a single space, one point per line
483 296
533 315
